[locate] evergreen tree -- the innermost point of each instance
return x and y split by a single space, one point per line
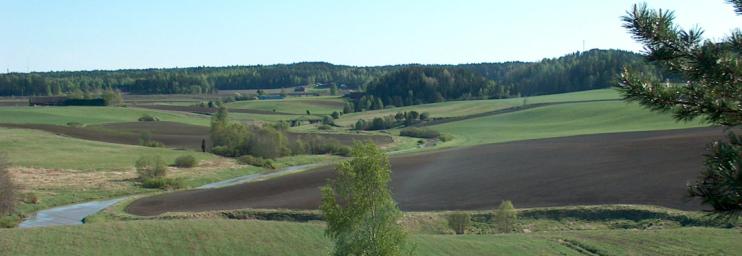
358 206
712 90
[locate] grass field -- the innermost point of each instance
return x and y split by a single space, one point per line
230 237
559 120
31 148
315 105
89 115
462 108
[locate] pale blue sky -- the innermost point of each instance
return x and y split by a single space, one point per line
81 35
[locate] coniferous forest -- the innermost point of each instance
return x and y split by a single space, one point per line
574 72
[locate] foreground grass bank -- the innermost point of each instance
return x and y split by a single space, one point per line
232 237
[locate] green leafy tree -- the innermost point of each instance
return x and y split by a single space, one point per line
459 222
712 90
505 217
218 125
333 90
150 167
347 108
358 206
112 97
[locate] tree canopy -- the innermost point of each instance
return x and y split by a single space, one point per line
711 88
358 206
577 71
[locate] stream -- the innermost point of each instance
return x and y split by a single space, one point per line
73 214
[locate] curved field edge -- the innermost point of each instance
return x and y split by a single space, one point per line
315 105
38 149
470 107
563 218
559 121
91 115
231 237
60 170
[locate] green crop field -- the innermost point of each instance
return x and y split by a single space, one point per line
315 105
233 237
32 148
463 108
560 120
89 115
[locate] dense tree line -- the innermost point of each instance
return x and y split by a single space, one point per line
264 142
419 85
400 119
594 69
578 71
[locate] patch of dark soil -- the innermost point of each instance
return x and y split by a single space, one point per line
619 168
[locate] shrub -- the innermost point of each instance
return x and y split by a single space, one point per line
424 116
324 127
445 137
112 98
256 161
9 221
145 139
164 183
186 161
459 222
75 124
505 217
360 125
224 151
313 144
281 125
335 115
148 118
425 133
327 120
149 167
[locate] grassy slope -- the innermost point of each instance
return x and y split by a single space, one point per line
559 120
31 148
89 115
229 237
293 105
462 108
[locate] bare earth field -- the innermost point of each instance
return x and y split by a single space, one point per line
172 134
201 110
619 168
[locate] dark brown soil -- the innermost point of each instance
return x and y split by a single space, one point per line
208 111
13 103
621 168
172 134
326 103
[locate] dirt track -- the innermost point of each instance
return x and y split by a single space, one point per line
172 134
621 168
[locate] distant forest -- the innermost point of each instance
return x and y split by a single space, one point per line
593 69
